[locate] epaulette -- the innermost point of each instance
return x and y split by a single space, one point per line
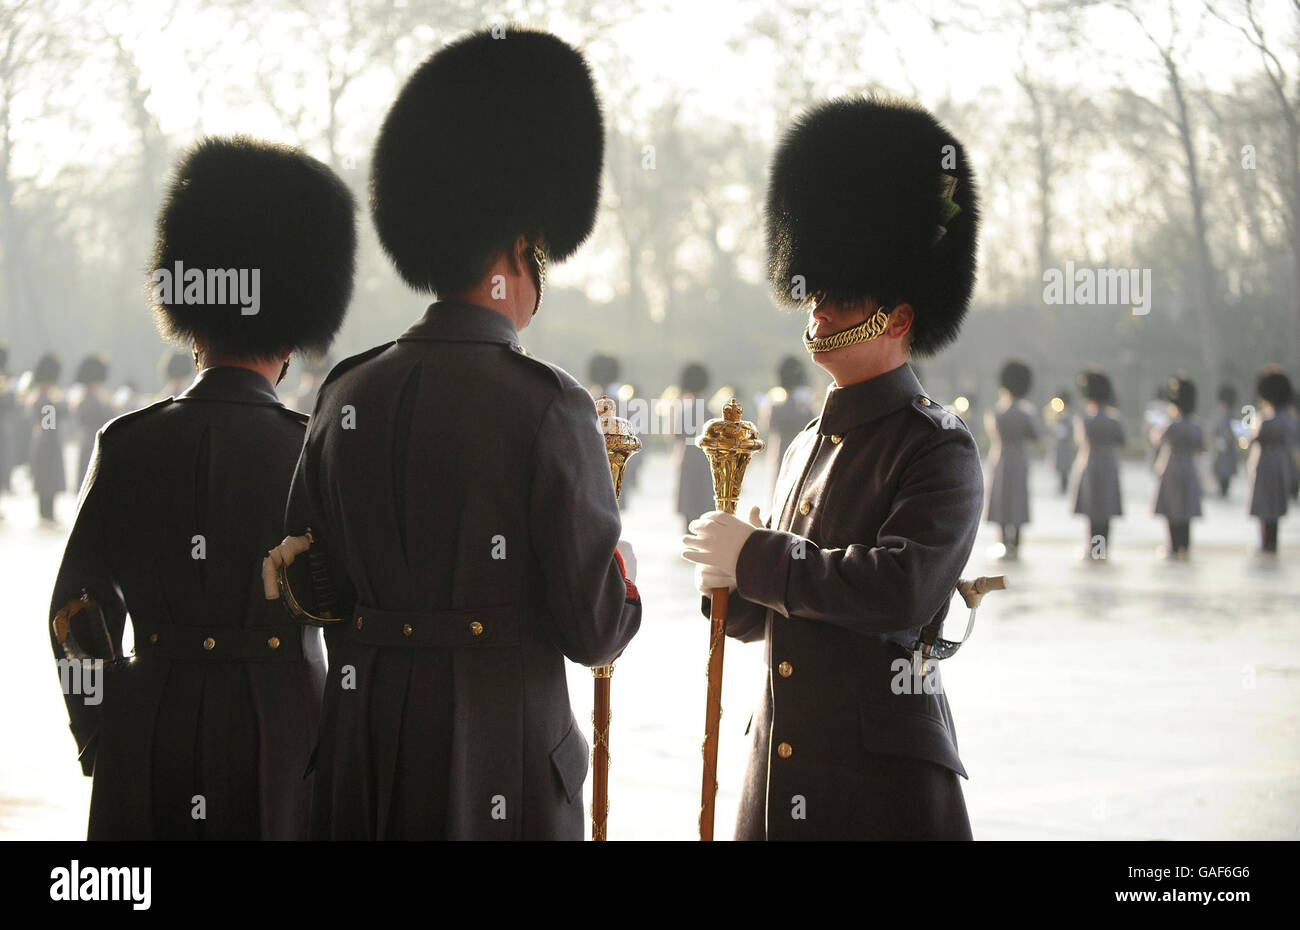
354 360
135 414
562 378
296 415
940 416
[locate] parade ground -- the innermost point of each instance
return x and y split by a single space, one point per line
1133 699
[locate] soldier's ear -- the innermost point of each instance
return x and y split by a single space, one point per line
521 256
900 320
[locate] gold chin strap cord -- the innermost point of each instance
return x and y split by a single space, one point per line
863 332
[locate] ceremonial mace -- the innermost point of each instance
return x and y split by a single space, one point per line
620 445
729 442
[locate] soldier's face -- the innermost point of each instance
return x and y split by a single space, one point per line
862 360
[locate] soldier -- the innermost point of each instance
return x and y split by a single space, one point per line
1178 493
1100 436
1065 449
1012 425
787 415
205 732
47 410
1225 438
694 480
91 408
872 211
1270 462
456 490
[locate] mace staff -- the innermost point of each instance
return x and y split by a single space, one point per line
729 442
620 445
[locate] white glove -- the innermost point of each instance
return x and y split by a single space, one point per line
706 579
629 559
714 544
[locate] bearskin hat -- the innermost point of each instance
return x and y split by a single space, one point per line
861 204
1181 392
1016 378
92 370
48 370
695 379
1096 387
791 373
602 369
1228 395
490 139
241 205
1274 386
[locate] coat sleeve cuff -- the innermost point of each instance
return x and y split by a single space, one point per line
763 568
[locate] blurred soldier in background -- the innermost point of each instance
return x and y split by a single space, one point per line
694 479
458 489
1064 447
47 419
1012 426
1100 436
91 406
879 499
1271 461
175 369
1224 431
205 734
787 413
313 370
1178 449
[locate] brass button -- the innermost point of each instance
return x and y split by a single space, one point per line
361 621
153 637
836 439
407 629
476 628
804 507
785 669
209 643
925 401
784 750
274 642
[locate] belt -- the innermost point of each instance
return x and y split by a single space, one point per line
278 643
439 629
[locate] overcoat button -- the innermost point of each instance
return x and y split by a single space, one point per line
836 439
274 642
804 507
476 628
361 621
785 669
209 643
925 401
153 637
784 750
407 629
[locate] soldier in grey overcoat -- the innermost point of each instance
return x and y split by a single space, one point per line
1013 426
205 731
1224 438
1100 436
878 500
456 489
1270 462
1178 449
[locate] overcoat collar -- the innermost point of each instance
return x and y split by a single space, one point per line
231 384
847 407
456 321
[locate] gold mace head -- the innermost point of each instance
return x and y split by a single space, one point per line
729 442
620 442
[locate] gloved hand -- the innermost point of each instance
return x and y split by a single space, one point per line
629 559
714 543
706 579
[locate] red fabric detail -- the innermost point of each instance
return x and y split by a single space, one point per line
632 593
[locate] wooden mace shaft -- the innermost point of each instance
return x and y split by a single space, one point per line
600 715
713 710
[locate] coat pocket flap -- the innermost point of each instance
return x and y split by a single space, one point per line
570 760
906 733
